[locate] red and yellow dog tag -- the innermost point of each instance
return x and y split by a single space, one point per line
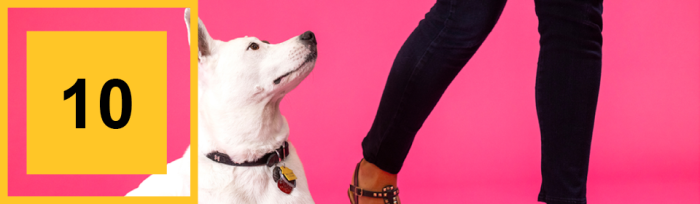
285 178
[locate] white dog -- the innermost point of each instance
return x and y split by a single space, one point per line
241 83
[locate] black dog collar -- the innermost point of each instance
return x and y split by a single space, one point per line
269 159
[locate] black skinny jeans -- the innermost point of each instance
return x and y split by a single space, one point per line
566 89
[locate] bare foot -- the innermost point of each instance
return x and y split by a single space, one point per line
372 178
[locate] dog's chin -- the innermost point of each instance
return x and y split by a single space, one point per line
300 71
308 63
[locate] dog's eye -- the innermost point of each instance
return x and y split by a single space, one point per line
253 46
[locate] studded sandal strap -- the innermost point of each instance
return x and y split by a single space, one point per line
389 193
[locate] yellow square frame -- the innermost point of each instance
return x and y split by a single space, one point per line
4 5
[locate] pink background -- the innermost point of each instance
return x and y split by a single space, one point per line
21 20
646 147
646 140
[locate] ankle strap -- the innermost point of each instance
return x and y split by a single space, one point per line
389 193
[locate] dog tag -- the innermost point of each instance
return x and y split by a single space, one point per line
285 185
288 173
276 173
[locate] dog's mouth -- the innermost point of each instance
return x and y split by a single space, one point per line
309 58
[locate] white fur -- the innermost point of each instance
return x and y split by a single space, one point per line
239 115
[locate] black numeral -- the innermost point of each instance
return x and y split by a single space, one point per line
126 103
77 89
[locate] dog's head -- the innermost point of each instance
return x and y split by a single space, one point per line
251 69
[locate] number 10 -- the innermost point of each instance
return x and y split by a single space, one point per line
78 89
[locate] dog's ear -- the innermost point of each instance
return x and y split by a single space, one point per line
187 23
204 39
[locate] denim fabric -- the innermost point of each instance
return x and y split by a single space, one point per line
566 89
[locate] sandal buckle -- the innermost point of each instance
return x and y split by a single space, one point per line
358 191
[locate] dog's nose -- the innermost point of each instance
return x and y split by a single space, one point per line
308 37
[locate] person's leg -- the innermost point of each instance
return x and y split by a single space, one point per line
566 94
427 63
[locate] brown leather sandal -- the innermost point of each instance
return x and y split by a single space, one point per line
389 193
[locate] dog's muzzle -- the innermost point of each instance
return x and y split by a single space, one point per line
309 39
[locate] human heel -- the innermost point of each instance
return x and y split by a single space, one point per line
389 193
